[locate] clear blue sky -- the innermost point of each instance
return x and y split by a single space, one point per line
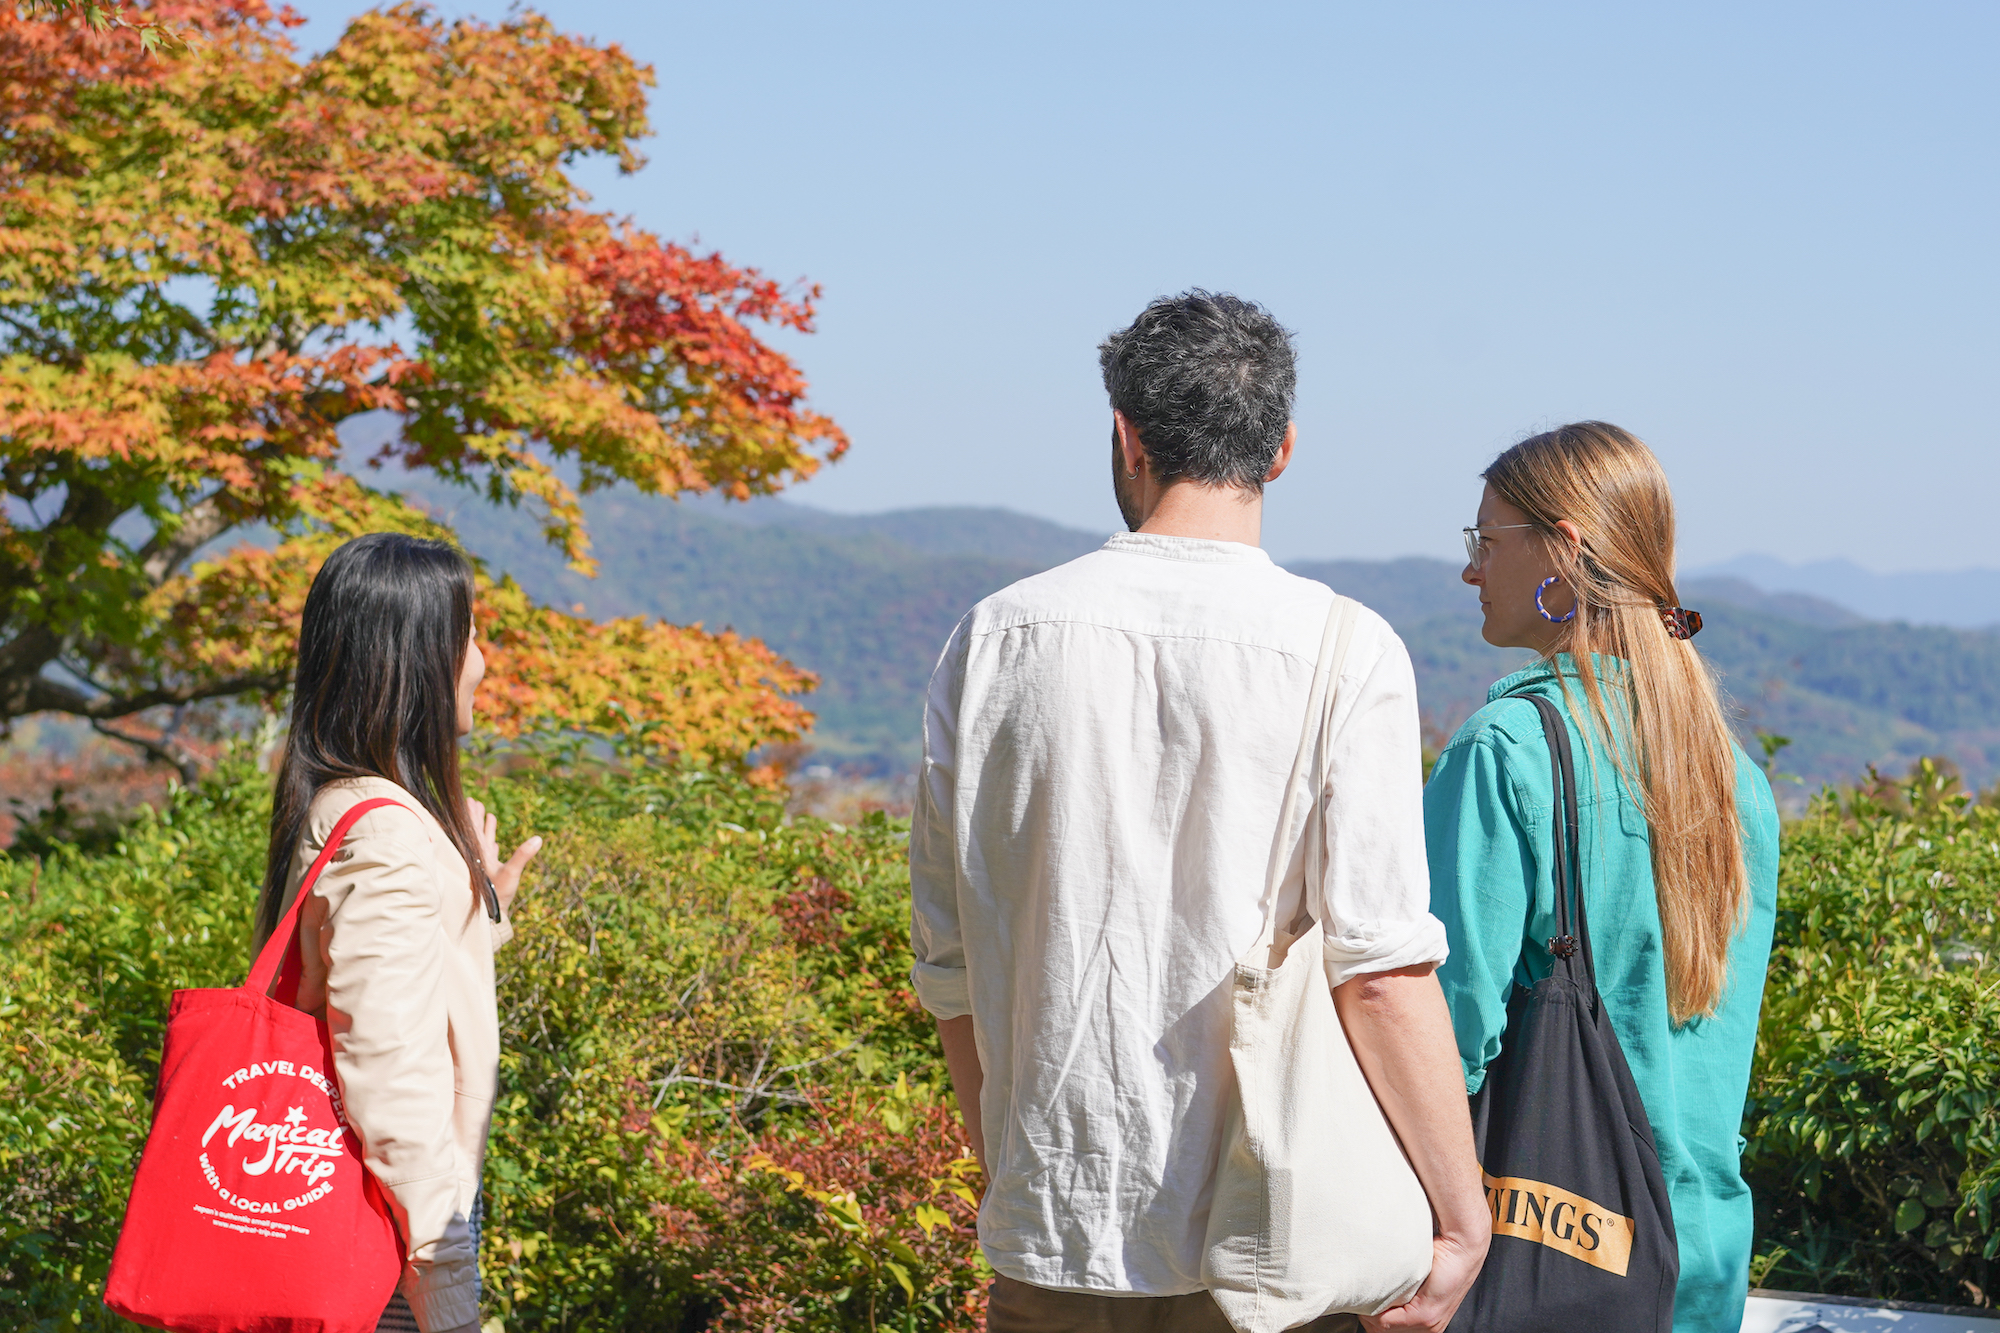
1762 236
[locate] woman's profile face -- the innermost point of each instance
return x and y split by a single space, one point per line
470 673
1517 560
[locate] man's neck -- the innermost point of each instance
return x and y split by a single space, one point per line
1211 513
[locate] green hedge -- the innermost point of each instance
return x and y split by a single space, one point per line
721 1108
91 947
1874 1117
711 1055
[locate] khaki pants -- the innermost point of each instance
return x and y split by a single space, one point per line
1016 1307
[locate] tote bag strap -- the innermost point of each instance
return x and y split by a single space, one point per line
284 941
1333 643
1566 833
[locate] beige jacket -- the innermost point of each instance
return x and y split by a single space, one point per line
399 961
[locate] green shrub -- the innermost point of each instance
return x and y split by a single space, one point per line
91 949
860 1221
691 977
701 995
1874 1117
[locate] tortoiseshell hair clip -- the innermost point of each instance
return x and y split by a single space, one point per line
1680 622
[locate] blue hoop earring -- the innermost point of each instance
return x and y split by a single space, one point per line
1553 620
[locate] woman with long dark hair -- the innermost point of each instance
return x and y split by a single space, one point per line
1677 836
397 939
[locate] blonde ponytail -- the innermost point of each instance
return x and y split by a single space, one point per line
1660 715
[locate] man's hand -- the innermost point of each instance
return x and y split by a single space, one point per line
1402 1038
506 875
1454 1264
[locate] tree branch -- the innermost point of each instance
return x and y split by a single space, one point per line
163 750
200 523
21 661
41 695
47 345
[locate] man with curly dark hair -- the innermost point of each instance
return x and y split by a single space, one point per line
1107 748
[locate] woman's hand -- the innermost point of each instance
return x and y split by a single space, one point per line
506 876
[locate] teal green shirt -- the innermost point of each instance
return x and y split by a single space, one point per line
1487 815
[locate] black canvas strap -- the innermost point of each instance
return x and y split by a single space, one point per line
1571 943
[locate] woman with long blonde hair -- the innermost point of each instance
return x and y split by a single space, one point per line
1573 558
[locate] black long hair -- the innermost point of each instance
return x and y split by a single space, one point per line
385 633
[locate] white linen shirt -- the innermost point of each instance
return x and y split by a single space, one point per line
1106 748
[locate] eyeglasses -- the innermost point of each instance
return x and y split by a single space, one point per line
1475 545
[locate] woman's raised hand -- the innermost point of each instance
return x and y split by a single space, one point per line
506 875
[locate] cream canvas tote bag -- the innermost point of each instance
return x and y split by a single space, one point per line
1316 1208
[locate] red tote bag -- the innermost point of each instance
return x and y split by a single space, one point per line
251 1211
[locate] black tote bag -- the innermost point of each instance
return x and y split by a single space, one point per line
1583 1233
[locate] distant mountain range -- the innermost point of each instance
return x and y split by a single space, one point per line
1965 598
867 601
1848 691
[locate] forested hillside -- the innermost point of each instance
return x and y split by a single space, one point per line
867 611
1849 692
867 601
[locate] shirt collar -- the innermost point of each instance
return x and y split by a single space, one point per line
1608 669
1187 548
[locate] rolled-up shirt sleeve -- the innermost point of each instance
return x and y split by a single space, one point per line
1374 899
939 974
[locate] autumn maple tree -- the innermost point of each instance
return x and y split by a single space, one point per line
105 15
211 256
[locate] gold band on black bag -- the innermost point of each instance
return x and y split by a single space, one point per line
1583 1229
